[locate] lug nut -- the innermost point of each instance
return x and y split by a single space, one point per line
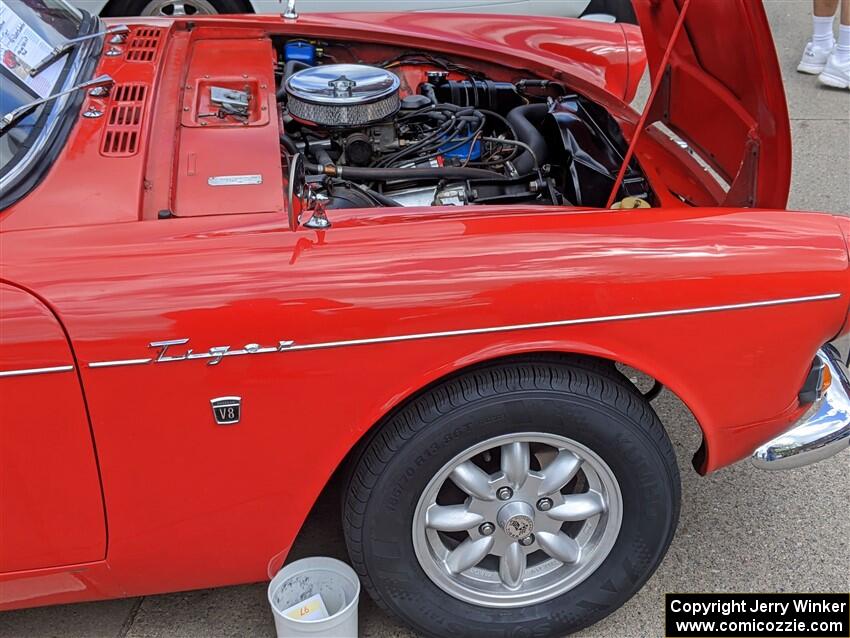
544 504
485 529
504 493
528 540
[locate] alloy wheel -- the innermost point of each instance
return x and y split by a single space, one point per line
517 520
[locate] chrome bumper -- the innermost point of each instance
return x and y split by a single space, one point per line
824 430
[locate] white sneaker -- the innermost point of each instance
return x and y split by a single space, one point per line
814 59
836 74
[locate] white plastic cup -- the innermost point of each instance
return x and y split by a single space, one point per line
334 580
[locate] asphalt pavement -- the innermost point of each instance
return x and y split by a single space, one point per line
741 529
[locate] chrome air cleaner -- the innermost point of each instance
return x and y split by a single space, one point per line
342 95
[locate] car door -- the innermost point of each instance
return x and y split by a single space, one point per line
51 506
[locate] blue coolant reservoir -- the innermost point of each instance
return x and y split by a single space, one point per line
300 51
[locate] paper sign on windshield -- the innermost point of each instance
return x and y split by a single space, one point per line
21 48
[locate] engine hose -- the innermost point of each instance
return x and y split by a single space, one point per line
428 91
369 174
323 157
524 119
379 197
291 67
288 144
390 174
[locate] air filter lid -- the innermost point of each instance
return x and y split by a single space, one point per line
342 84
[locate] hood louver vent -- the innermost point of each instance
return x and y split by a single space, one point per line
124 120
143 44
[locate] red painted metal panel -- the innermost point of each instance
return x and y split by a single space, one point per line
193 504
51 507
722 89
57 585
84 186
595 58
211 147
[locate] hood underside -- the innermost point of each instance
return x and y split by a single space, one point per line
719 89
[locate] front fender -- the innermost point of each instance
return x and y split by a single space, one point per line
726 307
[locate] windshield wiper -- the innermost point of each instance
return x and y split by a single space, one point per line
68 45
10 118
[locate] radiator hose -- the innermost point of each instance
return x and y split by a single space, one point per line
525 120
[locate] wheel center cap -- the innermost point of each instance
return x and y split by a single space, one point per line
516 520
519 527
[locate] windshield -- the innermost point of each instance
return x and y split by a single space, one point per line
29 30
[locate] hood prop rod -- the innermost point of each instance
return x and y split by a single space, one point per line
656 85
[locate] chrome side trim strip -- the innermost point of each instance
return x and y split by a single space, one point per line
216 353
120 362
28 371
565 322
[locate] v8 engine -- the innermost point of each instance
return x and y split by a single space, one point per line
360 135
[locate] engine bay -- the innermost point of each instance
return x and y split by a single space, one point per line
419 129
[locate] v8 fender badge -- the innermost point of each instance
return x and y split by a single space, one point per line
227 410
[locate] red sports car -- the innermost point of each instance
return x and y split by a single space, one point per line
240 254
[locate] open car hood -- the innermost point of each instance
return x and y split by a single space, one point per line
720 91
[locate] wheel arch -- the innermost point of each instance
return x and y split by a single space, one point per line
573 356
383 514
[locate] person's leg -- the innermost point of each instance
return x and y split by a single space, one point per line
825 8
842 50
836 72
823 17
820 46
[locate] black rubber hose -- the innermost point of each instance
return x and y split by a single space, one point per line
380 197
288 144
390 174
291 67
369 174
322 155
428 91
524 120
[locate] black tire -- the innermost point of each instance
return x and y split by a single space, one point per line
118 8
595 409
